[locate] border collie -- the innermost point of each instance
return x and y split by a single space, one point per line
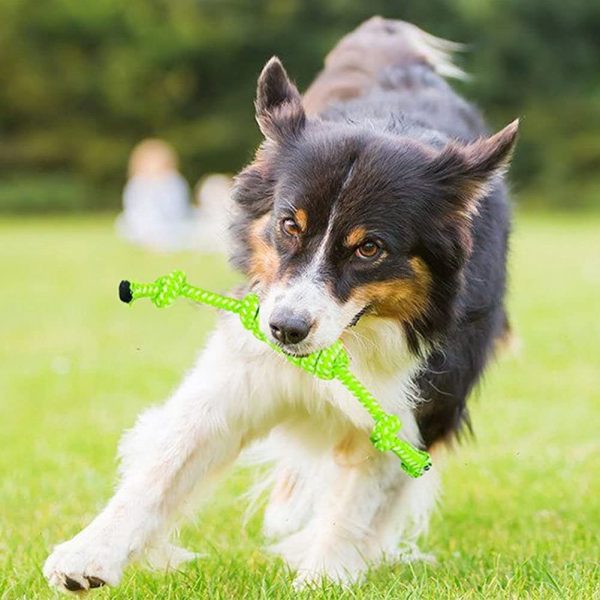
375 211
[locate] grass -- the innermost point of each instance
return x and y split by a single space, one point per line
520 517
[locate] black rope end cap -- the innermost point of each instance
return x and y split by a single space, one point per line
125 292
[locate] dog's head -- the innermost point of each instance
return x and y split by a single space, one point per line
337 220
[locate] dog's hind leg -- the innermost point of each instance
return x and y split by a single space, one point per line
293 471
290 502
338 542
366 509
401 522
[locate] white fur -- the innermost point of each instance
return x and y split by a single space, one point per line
348 506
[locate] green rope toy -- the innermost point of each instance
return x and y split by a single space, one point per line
330 363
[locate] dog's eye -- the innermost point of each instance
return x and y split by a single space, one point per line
368 250
290 227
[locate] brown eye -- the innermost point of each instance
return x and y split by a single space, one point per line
368 250
290 227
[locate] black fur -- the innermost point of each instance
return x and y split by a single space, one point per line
409 162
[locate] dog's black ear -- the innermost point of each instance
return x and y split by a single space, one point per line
279 110
465 172
462 175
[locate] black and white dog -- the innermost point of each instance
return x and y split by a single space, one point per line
374 212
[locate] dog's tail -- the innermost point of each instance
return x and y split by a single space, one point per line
354 65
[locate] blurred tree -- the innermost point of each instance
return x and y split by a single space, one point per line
81 83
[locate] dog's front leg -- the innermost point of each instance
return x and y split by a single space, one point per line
351 527
200 430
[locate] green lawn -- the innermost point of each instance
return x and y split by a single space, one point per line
520 515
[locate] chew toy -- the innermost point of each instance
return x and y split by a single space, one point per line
331 363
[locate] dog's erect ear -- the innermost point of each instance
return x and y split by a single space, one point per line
462 175
274 87
466 171
279 110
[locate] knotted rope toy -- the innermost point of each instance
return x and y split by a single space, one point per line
331 363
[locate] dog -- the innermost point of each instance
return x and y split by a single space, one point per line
374 212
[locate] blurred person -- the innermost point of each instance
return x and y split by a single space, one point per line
213 204
156 200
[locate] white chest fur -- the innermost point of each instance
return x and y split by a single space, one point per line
379 357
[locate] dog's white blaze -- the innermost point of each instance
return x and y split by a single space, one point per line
307 293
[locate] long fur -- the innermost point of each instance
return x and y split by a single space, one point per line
374 212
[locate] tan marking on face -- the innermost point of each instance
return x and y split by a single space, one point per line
355 237
404 299
301 218
264 260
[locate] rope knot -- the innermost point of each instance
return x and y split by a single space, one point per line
248 313
385 433
168 288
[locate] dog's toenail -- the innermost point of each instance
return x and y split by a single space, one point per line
72 585
95 582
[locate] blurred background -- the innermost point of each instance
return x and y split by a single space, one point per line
81 83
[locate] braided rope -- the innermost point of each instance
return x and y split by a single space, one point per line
384 435
331 363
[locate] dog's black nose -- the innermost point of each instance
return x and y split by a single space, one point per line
289 329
